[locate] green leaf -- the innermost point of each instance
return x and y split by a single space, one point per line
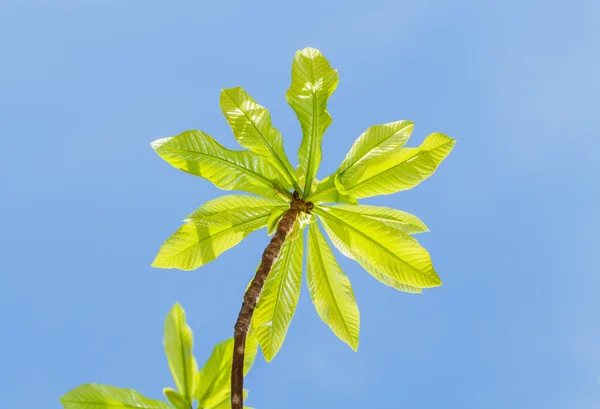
331 190
274 219
375 143
224 401
223 205
251 350
197 153
313 81
330 289
373 271
279 297
405 222
212 229
379 247
94 396
214 379
401 170
251 125
178 341
177 400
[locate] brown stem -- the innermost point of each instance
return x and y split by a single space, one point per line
284 228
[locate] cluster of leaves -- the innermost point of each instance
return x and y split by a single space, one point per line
209 387
378 238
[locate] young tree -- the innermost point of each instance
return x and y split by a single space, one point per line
209 386
378 238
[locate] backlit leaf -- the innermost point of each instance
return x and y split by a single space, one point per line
387 280
379 247
401 170
178 342
331 190
405 222
251 125
274 219
94 396
212 229
375 143
214 379
330 289
279 297
221 206
197 153
313 81
224 401
176 399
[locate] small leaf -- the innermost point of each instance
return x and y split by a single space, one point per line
177 400
274 219
215 377
331 190
178 341
94 396
296 232
251 125
313 81
197 153
251 350
339 186
224 401
330 289
279 297
304 219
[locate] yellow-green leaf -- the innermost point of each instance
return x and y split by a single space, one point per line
274 219
94 396
313 81
279 297
401 170
204 237
375 143
387 280
330 289
197 153
178 341
331 190
380 247
221 206
177 400
251 125
403 221
224 401
214 379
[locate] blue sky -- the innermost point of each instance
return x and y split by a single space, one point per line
86 86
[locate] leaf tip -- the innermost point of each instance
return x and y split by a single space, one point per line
228 91
309 52
159 263
159 142
268 356
450 141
